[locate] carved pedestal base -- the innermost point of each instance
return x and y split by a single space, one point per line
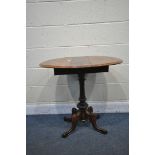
84 112
82 115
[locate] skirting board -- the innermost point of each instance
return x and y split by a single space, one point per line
63 108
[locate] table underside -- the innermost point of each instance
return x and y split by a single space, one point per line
63 71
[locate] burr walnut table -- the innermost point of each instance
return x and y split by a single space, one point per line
81 66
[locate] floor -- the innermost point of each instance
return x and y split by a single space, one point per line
44 136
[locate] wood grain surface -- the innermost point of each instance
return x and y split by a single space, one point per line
80 62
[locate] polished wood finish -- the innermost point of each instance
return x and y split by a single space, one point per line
81 62
81 66
83 115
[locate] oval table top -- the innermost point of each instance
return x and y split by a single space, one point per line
81 62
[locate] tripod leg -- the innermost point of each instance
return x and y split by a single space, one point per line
90 110
75 119
69 119
92 118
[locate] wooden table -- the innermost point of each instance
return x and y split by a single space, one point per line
81 66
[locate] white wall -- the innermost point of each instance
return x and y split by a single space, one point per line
60 28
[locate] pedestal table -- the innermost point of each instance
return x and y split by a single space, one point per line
81 66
